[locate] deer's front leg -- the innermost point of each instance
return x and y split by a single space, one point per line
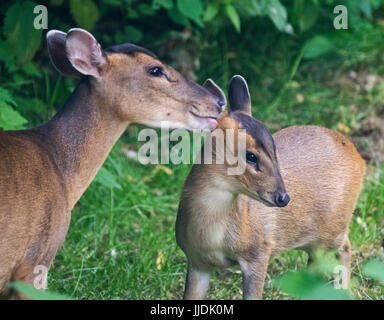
254 271
197 283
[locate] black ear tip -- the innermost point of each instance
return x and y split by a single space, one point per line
238 80
209 81
238 84
239 97
55 33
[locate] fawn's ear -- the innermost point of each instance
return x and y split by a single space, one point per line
239 97
57 53
213 88
85 53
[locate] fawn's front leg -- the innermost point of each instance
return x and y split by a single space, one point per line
197 283
254 271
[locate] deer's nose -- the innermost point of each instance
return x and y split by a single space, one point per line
220 105
282 199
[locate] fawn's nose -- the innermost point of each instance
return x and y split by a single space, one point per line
220 105
282 199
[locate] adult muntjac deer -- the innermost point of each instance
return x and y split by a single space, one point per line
45 170
225 219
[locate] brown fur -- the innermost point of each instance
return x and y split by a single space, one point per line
219 224
45 170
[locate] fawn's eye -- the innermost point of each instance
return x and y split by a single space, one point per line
156 72
252 159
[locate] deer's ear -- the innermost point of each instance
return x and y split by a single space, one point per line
57 53
239 97
85 53
213 88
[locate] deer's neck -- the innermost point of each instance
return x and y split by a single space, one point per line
82 134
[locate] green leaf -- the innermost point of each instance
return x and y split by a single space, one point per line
129 34
304 14
192 9
132 14
297 284
30 70
307 285
233 16
107 179
9 118
167 4
84 12
374 269
278 15
146 10
178 18
32 105
6 97
252 7
317 46
115 3
35 294
133 34
365 7
7 56
23 39
211 11
326 292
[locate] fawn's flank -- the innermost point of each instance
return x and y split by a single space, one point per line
225 220
45 170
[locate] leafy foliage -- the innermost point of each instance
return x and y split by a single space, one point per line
192 9
85 13
375 270
21 38
313 283
9 118
35 294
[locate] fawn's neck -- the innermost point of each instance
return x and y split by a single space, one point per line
211 191
82 133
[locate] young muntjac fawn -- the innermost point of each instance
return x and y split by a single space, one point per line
299 190
45 170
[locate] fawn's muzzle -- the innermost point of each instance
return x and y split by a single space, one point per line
282 199
221 105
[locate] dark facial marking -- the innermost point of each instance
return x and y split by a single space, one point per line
258 131
129 49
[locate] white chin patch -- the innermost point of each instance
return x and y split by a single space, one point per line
166 124
191 123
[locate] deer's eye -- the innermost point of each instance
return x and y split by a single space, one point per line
156 72
252 159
